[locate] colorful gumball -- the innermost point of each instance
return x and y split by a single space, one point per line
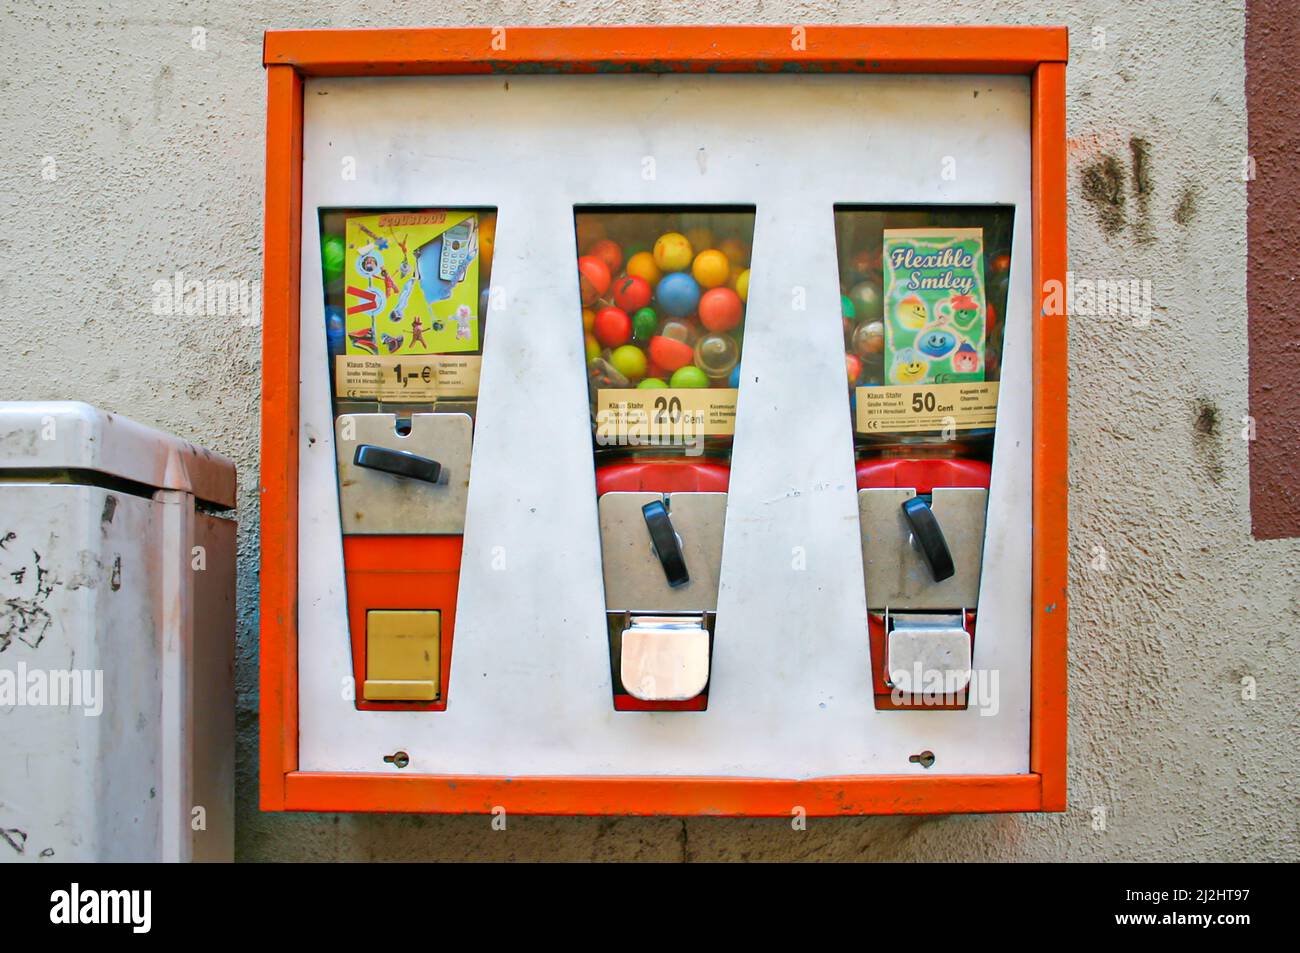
866 300
592 346
853 365
632 293
629 360
720 309
716 355
593 279
588 319
673 252
590 229
742 285
669 354
679 329
487 239
700 237
869 338
642 265
607 251
604 374
867 261
644 323
335 329
612 327
737 252
678 294
1000 264
331 258
651 383
689 376
711 268
847 308
734 379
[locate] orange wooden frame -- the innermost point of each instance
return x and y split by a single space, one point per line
292 55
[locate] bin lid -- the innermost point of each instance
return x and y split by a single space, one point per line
70 435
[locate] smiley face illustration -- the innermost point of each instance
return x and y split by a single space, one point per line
936 344
908 368
965 309
912 313
966 360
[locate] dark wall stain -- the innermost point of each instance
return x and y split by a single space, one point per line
1205 436
1103 187
1186 209
1140 160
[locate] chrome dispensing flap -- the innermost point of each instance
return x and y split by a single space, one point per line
896 572
665 658
634 576
927 654
376 502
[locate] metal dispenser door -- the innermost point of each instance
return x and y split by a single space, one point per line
924 298
404 293
402 502
664 294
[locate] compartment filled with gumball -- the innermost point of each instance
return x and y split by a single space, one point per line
405 306
923 293
663 310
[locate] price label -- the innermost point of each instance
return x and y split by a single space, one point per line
402 377
925 407
664 415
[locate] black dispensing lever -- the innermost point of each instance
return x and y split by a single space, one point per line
926 530
398 463
664 539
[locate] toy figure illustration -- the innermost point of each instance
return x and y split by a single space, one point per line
399 309
936 344
463 317
404 268
363 339
912 313
908 368
966 360
419 285
965 309
369 265
380 243
417 334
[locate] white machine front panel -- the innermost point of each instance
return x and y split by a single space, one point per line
790 695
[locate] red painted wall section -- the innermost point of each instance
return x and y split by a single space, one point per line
1272 236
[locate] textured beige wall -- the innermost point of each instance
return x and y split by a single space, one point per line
129 155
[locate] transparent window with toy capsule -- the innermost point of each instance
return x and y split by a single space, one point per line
923 304
406 286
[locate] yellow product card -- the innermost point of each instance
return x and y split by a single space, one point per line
411 283
629 416
406 378
924 407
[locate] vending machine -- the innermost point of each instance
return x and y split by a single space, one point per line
664 421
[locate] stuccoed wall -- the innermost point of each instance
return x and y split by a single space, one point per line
129 155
